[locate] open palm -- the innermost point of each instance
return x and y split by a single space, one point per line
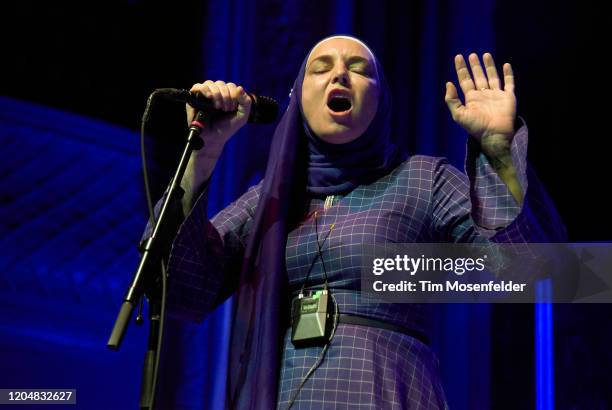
489 108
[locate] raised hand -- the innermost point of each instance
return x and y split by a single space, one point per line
488 113
490 106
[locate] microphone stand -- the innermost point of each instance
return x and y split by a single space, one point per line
150 269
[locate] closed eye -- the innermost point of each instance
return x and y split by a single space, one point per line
361 69
362 72
320 66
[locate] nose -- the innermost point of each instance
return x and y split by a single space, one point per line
341 75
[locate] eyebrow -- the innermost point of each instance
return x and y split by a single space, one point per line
350 60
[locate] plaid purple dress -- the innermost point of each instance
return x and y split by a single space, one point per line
423 200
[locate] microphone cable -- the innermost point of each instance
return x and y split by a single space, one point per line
316 365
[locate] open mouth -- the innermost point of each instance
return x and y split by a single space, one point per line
339 102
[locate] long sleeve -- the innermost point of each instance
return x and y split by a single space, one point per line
479 206
206 256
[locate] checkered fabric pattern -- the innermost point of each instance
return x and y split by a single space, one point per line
424 199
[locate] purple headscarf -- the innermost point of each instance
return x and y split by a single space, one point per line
262 295
339 168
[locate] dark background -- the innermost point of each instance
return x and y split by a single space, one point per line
101 60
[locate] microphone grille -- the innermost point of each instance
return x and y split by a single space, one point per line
264 109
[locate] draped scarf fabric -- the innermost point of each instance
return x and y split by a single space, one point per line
339 168
257 326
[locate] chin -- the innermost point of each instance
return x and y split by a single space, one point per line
338 138
339 134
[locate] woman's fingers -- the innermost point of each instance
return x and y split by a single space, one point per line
233 93
480 79
211 90
226 102
224 96
452 100
244 100
463 75
508 78
491 71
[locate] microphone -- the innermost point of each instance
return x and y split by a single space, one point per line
264 110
